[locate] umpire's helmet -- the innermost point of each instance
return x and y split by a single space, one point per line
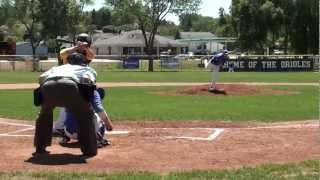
84 37
77 59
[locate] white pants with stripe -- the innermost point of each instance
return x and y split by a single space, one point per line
215 73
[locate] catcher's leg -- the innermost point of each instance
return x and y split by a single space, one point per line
86 133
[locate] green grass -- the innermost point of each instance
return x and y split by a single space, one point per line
144 104
294 171
196 76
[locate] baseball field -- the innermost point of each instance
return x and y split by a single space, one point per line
167 126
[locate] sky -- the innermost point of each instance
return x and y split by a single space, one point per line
207 8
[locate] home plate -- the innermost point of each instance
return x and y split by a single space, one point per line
216 132
117 132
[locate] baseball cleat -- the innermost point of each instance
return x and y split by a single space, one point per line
64 140
217 91
58 133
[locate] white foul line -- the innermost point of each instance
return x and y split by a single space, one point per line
10 134
31 127
16 135
16 124
21 130
117 132
297 126
215 134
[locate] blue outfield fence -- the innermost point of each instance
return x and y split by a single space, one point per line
172 63
272 64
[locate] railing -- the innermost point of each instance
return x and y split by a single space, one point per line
182 62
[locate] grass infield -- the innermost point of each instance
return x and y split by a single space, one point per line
145 104
293 171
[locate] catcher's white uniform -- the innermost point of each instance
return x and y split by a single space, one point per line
66 122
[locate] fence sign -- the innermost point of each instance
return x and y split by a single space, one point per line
285 64
131 63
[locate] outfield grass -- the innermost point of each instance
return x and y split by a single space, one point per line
294 171
144 104
196 76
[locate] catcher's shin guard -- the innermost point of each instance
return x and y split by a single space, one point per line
87 137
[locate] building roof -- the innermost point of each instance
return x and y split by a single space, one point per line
134 39
196 35
102 36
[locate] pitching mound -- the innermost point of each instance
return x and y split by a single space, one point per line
232 90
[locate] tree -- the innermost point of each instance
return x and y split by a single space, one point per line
84 3
167 28
7 11
53 16
197 23
27 12
187 20
225 30
178 35
273 17
222 18
101 17
60 18
250 24
94 17
305 30
150 13
261 23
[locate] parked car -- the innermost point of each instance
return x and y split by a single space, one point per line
278 52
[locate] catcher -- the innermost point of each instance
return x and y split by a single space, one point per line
67 126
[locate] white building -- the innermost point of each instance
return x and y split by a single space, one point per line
201 42
24 48
133 43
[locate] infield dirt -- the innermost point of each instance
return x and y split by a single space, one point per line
158 147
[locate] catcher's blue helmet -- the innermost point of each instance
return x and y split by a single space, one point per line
101 92
77 59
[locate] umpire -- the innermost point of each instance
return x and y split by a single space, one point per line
71 86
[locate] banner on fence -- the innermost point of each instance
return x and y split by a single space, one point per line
131 63
288 64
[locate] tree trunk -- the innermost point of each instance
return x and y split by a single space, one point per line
35 60
150 57
150 67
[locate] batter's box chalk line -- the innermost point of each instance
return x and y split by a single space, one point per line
215 133
27 127
31 127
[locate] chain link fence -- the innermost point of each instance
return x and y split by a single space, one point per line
170 63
